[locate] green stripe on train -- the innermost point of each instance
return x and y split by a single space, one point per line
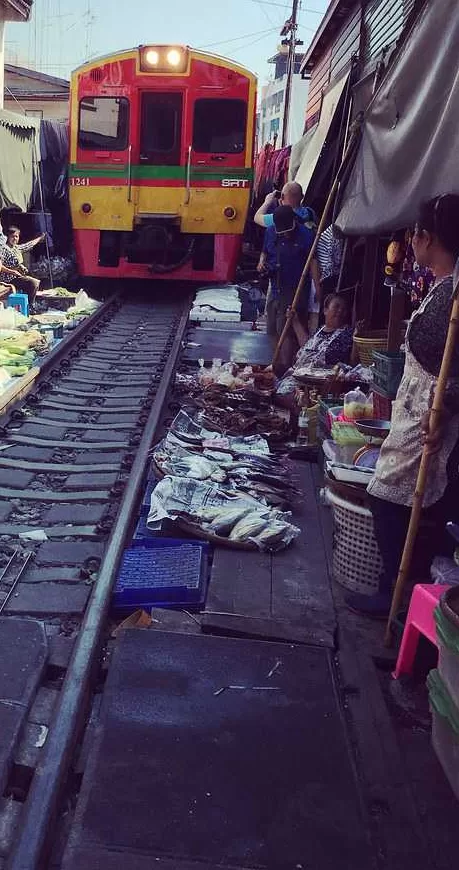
163 173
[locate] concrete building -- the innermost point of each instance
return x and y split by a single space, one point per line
35 94
272 103
10 10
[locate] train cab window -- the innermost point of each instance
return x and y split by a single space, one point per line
160 128
104 123
219 126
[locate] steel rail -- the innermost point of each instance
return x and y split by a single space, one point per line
62 350
41 808
78 334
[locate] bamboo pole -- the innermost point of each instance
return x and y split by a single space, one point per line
349 148
418 498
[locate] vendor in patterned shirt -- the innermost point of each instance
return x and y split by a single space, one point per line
332 344
12 264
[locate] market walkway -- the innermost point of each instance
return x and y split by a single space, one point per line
219 753
270 747
286 596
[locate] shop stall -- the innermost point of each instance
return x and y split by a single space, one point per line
26 339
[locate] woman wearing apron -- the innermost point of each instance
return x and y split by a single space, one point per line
436 245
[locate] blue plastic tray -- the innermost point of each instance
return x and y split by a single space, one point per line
162 572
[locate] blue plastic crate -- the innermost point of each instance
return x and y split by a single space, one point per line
162 572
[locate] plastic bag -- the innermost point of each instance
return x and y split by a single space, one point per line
444 570
355 403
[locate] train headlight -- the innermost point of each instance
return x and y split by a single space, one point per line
86 208
163 59
152 57
174 57
230 212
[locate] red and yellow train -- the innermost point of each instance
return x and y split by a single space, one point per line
161 156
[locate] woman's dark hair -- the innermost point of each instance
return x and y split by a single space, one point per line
13 230
332 296
440 216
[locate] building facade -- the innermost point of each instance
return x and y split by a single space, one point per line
10 10
35 94
272 104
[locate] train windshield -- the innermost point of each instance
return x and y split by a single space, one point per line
104 123
219 126
160 128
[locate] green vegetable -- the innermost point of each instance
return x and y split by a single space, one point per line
16 371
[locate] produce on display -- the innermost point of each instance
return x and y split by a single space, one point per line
23 340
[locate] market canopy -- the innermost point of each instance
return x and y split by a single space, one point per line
19 155
311 145
410 139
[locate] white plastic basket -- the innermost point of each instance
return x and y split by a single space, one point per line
356 559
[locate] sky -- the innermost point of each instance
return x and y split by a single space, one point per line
64 33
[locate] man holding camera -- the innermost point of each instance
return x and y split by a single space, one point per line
291 195
285 250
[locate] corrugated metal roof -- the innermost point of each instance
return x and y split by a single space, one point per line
24 72
387 18
23 7
337 12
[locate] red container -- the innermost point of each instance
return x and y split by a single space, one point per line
382 404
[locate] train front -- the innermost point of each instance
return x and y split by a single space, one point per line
161 142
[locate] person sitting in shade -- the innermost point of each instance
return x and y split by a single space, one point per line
12 263
332 344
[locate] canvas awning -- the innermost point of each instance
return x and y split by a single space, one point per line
298 152
314 140
410 136
19 154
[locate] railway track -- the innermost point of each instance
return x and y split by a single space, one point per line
72 463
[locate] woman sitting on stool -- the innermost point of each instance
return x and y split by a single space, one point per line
12 264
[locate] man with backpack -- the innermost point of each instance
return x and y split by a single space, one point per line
286 248
292 194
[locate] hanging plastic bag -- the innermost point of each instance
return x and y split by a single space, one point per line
355 403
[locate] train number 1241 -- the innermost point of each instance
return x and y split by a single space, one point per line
80 182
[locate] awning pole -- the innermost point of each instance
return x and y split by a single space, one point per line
418 497
355 133
42 206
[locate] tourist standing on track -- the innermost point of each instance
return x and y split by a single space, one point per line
292 195
286 248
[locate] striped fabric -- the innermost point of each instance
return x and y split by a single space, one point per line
329 252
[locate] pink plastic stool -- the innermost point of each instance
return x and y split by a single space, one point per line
420 620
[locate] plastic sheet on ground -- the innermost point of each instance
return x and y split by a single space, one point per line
264 478
217 303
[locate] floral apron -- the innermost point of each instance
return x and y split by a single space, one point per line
398 464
